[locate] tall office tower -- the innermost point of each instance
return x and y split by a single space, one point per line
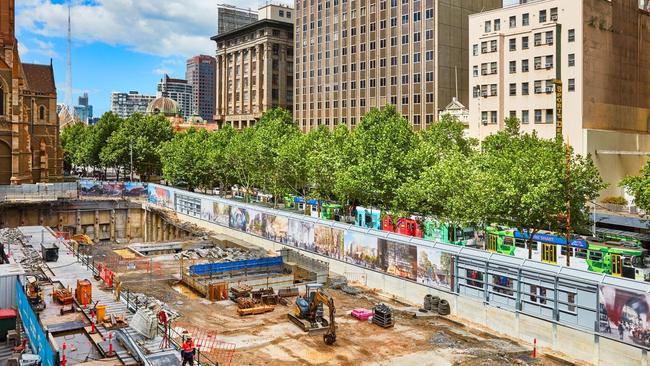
83 111
125 104
353 55
597 49
230 17
180 91
200 74
255 67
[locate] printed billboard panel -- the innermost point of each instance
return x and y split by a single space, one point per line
161 196
301 234
434 267
238 218
328 241
38 340
360 249
398 259
135 189
276 228
625 315
256 222
207 210
221 213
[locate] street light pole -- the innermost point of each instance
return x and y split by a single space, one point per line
131 153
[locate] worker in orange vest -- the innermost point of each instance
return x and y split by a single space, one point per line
188 352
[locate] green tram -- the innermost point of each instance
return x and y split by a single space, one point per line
615 258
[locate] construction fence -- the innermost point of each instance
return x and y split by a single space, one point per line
38 192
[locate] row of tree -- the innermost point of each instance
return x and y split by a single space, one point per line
516 179
115 142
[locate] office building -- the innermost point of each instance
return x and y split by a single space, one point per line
125 104
230 17
255 67
352 56
30 149
200 74
180 91
595 48
83 111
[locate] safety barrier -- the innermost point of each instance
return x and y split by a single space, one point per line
578 299
211 268
38 340
38 192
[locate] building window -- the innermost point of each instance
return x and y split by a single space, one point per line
572 84
513 21
429 97
429 13
416 119
572 59
497 25
542 16
549 116
430 76
405 99
405 79
475 50
524 65
405 59
429 55
475 70
416 16
493 67
513 67
493 117
429 33
405 19
524 88
493 89
549 37
484 118
493 46
538 39
417 78
41 112
513 89
538 116
549 61
524 43
524 117
513 44
572 35
416 37
553 14
488 26
525 19
513 114
417 98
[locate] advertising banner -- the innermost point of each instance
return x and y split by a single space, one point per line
276 228
361 250
398 259
238 218
301 234
625 315
37 338
434 267
207 210
256 222
161 196
221 213
328 241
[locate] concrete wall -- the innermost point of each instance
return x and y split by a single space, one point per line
576 344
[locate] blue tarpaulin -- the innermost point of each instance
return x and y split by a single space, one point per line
37 338
210 268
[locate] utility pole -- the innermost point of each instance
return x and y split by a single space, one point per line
568 205
131 154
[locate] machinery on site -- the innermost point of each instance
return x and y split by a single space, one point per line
308 313
35 295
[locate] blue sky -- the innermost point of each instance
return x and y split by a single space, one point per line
118 45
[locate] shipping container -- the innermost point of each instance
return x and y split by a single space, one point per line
9 274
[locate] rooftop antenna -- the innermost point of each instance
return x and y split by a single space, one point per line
68 97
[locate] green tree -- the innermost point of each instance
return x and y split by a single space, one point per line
142 134
220 172
184 158
73 140
240 157
639 187
98 137
528 177
377 163
326 161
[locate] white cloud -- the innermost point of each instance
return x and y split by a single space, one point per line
165 28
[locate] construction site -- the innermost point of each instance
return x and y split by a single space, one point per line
112 289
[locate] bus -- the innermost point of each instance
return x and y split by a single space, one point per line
621 259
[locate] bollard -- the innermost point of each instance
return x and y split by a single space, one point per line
64 361
93 330
110 345
534 347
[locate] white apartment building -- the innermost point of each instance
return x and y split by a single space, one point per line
595 48
125 104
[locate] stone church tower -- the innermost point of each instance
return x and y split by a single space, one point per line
30 149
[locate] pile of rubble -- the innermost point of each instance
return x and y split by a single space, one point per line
149 302
341 283
217 254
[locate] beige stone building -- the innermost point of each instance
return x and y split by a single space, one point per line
353 55
29 129
598 49
255 67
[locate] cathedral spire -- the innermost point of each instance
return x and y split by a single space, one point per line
7 23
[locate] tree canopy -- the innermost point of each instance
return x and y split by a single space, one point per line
639 187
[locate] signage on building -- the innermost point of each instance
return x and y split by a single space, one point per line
558 107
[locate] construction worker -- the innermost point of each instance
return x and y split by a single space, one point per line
188 352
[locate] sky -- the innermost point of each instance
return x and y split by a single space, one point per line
118 45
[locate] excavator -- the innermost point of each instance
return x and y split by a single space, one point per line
308 313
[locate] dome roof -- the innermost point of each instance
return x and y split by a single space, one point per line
164 105
195 119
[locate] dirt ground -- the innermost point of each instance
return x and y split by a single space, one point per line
271 339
